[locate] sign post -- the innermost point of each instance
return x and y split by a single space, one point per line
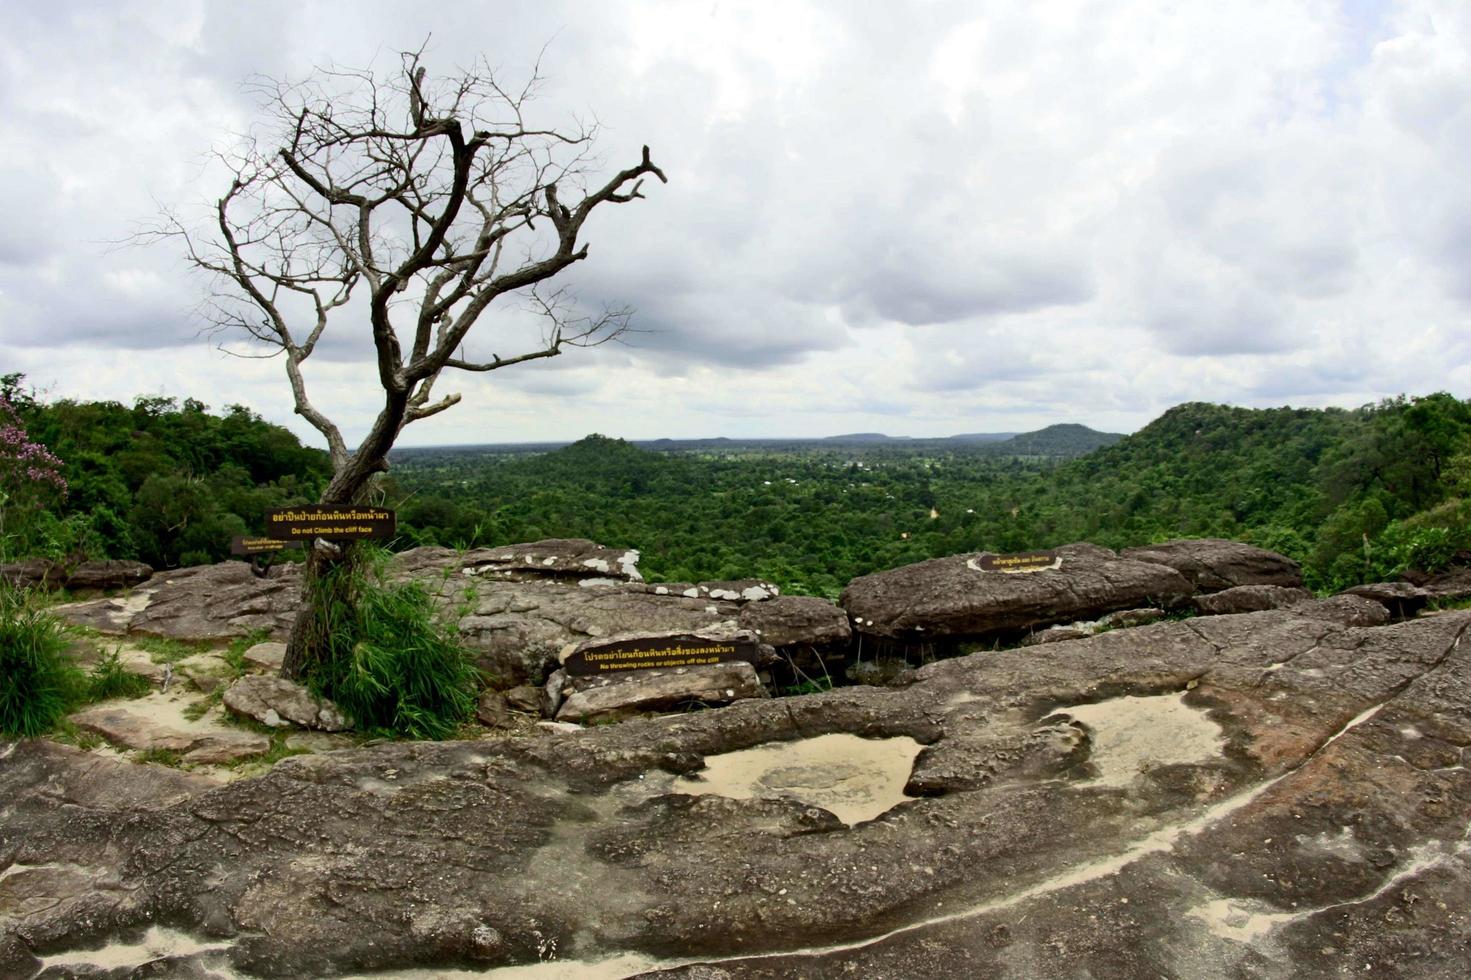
331 521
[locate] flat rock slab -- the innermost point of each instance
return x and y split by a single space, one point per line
157 723
611 698
267 656
955 598
279 703
1213 564
1249 598
1304 814
203 603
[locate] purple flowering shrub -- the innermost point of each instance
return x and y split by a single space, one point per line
30 477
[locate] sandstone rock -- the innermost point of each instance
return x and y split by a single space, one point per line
267 656
612 697
318 741
524 698
1298 808
1249 598
518 629
556 557
228 746
1213 564
206 671
793 620
1450 586
951 597
1346 610
154 723
1056 634
277 702
131 730
1126 618
111 574
34 573
1402 599
203 603
492 711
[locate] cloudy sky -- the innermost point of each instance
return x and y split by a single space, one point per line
915 218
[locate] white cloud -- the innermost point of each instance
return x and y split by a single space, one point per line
902 217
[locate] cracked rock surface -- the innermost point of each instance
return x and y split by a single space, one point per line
1268 794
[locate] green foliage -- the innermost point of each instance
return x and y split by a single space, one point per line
38 684
162 483
110 679
389 663
1349 494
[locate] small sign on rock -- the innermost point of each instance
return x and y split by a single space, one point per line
656 652
1021 561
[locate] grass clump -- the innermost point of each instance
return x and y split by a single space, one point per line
38 685
389 662
110 679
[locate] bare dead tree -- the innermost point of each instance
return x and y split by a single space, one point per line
401 206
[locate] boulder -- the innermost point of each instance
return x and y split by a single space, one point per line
601 698
524 698
1346 610
1213 564
574 558
268 656
110 574
493 711
518 629
34 573
794 620
202 603
955 598
1453 585
1248 598
279 703
1402 599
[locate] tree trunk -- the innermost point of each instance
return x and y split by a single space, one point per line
329 579
328 596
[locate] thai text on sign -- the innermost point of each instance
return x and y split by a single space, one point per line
241 545
660 652
342 522
1022 561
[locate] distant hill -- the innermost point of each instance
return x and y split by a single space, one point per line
864 437
1066 439
983 437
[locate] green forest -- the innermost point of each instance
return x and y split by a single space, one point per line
1354 494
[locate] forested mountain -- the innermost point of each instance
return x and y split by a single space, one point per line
164 483
1355 495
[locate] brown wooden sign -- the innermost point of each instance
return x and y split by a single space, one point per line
258 546
329 521
1021 561
656 652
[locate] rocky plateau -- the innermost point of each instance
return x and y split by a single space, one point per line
1259 784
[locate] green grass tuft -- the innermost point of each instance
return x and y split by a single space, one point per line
110 679
391 664
38 685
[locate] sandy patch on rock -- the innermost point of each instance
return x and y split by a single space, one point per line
1134 735
855 779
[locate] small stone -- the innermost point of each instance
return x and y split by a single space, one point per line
267 656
